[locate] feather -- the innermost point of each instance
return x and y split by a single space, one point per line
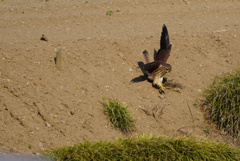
165 46
146 56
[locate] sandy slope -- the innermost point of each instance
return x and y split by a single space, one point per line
42 107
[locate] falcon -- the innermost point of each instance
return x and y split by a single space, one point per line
158 68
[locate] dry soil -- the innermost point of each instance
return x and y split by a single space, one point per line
44 107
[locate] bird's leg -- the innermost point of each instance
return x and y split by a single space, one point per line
158 82
162 87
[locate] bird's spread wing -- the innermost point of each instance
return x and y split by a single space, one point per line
151 67
159 72
165 46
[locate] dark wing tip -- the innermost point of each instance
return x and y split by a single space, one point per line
164 29
145 52
164 39
164 26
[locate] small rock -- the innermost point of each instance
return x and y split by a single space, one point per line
44 38
161 96
185 1
72 112
48 124
219 38
120 54
185 131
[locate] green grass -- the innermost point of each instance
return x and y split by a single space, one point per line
222 103
109 12
118 114
147 148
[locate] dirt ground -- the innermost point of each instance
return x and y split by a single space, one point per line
42 107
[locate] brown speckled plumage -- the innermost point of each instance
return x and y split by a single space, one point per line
158 68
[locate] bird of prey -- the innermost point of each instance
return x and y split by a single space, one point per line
158 68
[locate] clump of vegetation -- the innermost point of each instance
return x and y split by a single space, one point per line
118 114
110 12
147 148
222 103
58 59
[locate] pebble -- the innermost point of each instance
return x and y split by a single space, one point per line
120 54
219 38
161 96
48 124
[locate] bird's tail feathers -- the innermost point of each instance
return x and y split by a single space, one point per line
146 56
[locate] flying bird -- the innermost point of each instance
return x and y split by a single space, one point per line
158 68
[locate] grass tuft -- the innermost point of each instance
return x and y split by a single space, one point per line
222 103
110 12
147 148
58 59
118 114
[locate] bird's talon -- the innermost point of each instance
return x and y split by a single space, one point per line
161 91
162 87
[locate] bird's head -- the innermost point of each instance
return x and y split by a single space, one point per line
168 67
